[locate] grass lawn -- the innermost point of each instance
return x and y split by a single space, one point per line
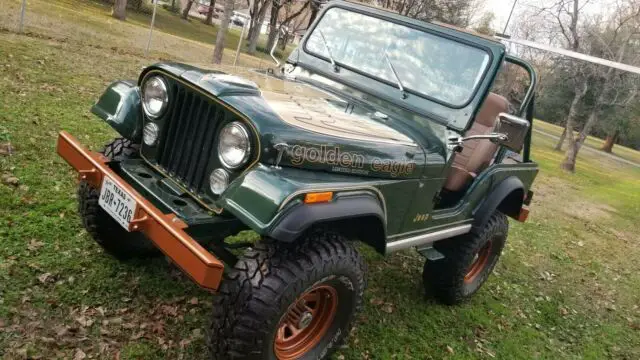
567 286
592 141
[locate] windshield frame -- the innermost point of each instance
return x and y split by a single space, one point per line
408 90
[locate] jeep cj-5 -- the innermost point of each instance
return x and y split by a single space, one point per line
378 128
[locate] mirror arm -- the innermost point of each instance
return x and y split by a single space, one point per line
456 142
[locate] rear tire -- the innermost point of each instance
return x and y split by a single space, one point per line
103 229
288 301
468 261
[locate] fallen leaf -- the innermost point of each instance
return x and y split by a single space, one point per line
376 301
34 245
6 149
158 327
85 322
170 310
388 308
564 312
9 179
137 335
79 355
450 349
44 277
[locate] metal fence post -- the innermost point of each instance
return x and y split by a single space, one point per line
153 20
22 10
244 25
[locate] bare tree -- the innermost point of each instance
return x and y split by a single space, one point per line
276 28
222 31
257 11
618 41
212 6
187 8
119 10
454 12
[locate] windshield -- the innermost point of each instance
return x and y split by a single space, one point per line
431 65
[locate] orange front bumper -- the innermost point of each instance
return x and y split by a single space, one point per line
165 230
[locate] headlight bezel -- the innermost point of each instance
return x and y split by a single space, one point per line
247 151
165 98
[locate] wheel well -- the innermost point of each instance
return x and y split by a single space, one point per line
512 203
367 229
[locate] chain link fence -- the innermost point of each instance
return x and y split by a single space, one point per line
155 31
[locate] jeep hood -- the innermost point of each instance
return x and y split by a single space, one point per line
314 128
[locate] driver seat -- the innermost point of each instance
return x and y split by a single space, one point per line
476 155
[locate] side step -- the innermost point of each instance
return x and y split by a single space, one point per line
430 253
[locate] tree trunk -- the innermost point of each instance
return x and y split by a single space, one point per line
284 40
212 6
561 140
273 27
255 34
173 6
185 12
571 155
119 10
609 142
569 162
314 13
253 13
222 32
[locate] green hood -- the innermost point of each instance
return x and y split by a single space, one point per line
322 129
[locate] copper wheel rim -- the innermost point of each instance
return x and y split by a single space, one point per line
306 322
479 263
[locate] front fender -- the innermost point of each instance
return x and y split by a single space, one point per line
120 107
264 198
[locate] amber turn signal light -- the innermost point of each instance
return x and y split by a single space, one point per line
320 197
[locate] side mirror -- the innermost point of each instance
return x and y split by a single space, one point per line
514 128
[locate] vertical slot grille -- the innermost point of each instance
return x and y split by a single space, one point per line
189 137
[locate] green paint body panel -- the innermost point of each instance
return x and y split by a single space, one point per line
401 157
120 107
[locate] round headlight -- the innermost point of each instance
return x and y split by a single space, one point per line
218 181
233 145
150 134
154 96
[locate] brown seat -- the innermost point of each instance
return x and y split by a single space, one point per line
476 155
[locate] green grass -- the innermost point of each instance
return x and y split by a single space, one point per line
567 286
592 141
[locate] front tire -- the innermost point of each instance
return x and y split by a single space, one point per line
103 229
288 301
468 261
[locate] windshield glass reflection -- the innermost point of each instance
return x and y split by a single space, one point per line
428 64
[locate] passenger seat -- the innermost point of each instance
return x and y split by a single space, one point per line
476 155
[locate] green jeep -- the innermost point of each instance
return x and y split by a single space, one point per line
379 128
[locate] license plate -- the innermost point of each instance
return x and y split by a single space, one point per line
117 202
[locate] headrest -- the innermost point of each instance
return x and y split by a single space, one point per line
493 105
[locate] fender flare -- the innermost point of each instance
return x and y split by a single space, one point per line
341 213
507 197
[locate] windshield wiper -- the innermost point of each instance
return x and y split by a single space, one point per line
395 74
326 47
